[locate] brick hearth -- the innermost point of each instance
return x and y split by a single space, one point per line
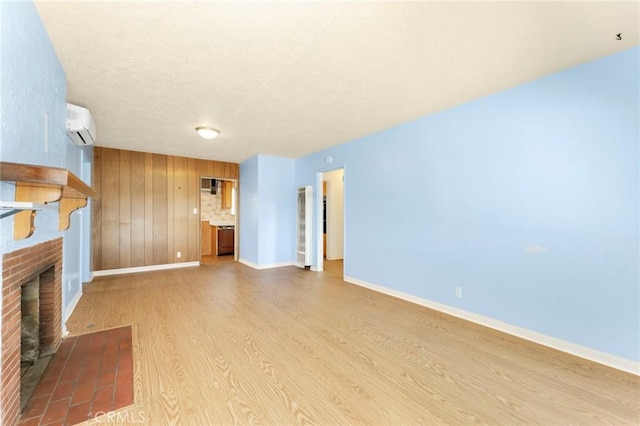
18 267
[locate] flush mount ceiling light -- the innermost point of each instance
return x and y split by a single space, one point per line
207 132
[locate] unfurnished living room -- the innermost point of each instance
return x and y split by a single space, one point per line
332 213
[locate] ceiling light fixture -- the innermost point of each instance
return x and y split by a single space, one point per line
207 132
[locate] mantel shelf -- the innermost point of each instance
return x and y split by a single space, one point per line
49 177
36 188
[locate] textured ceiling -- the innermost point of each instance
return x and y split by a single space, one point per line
291 78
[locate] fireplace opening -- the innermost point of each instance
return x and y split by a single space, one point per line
33 358
30 322
18 268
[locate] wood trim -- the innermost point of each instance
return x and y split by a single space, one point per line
193 200
148 212
43 184
68 206
124 218
137 208
96 209
44 176
161 209
24 222
110 226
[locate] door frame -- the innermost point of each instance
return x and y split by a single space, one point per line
318 265
236 239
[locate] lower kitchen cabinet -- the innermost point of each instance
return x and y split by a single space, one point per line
206 238
226 236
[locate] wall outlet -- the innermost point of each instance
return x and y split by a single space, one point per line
179 254
458 291
195 211
68 285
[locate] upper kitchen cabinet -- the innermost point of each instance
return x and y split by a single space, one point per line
226 197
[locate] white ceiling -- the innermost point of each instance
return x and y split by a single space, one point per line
290 78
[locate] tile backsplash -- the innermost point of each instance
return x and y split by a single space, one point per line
210 206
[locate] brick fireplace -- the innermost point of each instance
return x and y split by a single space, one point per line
18 268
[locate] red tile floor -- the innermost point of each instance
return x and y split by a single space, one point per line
89 374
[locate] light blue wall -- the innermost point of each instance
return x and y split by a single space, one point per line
455 198
277 204
249 211
34 88
267 215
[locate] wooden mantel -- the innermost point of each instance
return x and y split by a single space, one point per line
39 186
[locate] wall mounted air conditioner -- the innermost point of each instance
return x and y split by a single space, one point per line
80 125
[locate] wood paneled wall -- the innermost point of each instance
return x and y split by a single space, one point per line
144 215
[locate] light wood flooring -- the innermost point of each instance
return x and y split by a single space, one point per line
225 344
214 260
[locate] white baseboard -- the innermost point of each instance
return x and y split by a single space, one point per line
265 266
69 310
561 345
144 269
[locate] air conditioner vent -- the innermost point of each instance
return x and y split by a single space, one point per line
81 128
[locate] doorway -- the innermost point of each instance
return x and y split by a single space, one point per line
218 208
330 250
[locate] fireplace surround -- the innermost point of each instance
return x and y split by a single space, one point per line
19 267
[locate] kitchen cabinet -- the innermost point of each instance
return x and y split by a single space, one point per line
226 189
206 238
217 240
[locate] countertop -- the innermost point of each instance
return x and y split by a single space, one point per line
222 222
